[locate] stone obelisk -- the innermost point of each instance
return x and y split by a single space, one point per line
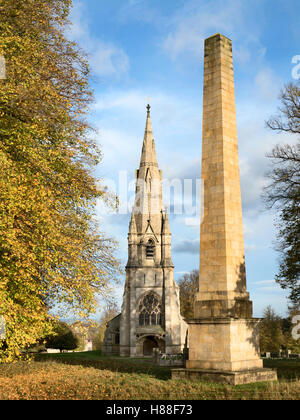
222 281
223 337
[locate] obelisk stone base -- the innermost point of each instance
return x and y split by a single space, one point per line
224 350
224 344
226 377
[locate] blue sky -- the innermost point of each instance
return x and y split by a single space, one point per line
152 48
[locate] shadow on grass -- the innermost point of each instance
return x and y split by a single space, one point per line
287 369
113 363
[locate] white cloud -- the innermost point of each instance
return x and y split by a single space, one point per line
262 282
106 58
188 247
252 174
129 101
119 149
250 247
121 117
270 288
267 84
261 299
247 229
196 20
255 140
182 273
267 285
194 23
79 29
141 11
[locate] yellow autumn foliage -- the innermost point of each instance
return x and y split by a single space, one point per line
51 250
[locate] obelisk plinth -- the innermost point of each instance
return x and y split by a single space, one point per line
223 337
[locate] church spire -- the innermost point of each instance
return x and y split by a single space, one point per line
148 198
148 157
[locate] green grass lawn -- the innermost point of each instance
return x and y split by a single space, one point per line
88 375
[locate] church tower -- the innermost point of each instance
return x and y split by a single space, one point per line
150 315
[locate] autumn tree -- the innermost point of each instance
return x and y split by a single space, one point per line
52 253
271 332
283 191
290 342
86 331
188 288
62 338
110 311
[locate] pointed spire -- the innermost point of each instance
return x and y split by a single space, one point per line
148 197
148 153
166 225
132 225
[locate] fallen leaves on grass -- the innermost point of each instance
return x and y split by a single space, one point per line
52 380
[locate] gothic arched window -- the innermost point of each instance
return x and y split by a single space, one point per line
149 310
150 248
142 318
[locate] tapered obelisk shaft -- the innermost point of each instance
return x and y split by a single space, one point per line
222 280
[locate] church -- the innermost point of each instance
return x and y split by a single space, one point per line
150 316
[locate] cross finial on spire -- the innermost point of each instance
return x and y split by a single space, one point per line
148 109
